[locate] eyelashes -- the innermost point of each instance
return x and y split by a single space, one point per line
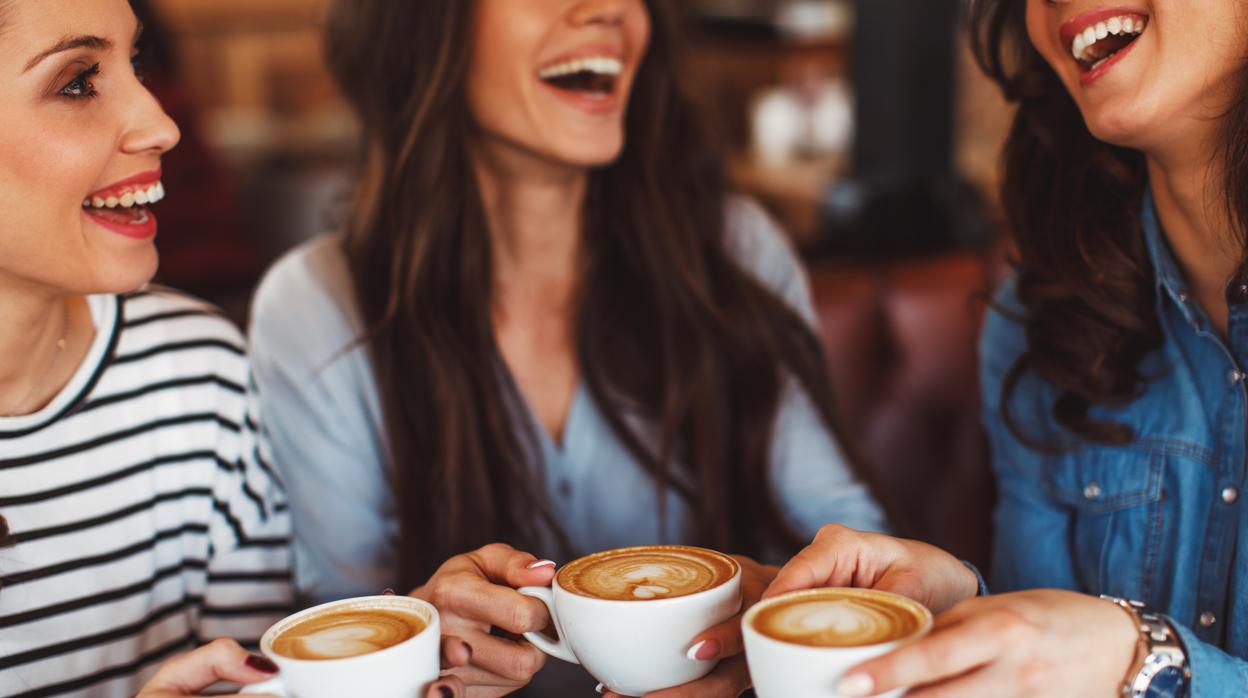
81 87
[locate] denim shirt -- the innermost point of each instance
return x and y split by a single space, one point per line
1158 520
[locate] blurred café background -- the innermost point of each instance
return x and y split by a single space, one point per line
864 127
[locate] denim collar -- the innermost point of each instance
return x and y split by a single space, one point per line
1169 279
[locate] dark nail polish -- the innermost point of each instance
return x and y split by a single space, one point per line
446 692
260 663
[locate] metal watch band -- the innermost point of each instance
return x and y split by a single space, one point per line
1159 649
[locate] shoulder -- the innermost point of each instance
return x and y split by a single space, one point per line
309 276
1002 345
159 321
1002 342
758 243
762 248
305 304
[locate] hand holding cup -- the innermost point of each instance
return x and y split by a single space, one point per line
843 557
475 593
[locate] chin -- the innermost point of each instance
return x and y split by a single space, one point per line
593 155
126 275
1118 127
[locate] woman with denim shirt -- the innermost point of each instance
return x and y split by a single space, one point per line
1112 373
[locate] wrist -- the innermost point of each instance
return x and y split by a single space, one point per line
1158 667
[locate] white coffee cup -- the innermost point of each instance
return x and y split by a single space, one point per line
634 647
781 669
404 670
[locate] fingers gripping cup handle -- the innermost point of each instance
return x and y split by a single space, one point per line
560 649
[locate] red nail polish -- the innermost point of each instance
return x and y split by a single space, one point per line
260 663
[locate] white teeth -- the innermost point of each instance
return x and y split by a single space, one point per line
139 197
1115 26
600 65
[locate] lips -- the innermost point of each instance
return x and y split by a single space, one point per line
122 207
588 78
1098 39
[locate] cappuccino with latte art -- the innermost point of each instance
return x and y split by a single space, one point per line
841 618
801 643
647 573
347 633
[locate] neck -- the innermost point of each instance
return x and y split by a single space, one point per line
1192 211
534 210
31 325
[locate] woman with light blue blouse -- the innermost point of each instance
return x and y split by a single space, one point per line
547 324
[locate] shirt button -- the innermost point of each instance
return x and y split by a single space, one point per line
1207 619
1230 495
1235 376
1183 296
1092 491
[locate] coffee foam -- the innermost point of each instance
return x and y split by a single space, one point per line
647 573
840 618
339 633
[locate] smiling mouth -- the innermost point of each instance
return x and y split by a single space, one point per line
1099 42
127 206
593 76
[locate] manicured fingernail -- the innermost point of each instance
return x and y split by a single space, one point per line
263 664
446 692
541 563
388 592
856 685
704 651
599 688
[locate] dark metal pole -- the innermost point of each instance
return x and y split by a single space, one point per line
903 195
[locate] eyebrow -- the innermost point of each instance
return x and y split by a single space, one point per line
73 42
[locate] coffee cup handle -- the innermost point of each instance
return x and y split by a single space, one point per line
272 687
560 649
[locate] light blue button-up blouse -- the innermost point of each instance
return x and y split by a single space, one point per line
323 412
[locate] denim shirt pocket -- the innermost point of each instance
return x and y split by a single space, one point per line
1114 497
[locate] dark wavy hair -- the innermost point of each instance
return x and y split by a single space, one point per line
1072 205
685 352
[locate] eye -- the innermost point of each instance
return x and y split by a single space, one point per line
80 87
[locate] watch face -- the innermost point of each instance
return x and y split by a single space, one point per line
1168 683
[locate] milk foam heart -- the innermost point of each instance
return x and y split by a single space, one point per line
347 634
647 573
840 618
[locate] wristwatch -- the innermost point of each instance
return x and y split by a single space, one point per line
1160 668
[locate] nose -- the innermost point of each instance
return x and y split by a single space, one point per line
608 12
149 129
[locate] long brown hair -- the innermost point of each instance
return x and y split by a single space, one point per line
1072 204
673 337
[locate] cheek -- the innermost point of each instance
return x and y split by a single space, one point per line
50 169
